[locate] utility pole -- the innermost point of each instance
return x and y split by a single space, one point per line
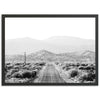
24 58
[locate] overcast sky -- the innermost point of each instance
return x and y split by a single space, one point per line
43 28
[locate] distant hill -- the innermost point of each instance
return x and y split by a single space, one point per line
88 53
41 55
44 55
88 56
57 44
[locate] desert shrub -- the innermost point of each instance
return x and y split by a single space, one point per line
18 64
77 64
63 67
85 68
92 71
57 63
88 68
27 63
29 74
68 68
74 73
8 63
25 74
10 72
16 67
84 64
88 77
17 75
9 67
34 73
27 66
14 70
81 68
42 64
92 68
8 75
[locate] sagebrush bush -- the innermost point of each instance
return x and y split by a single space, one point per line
9 73
17 75
29 74
88 77
26 74
74 73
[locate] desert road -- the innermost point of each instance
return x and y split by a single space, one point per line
50 75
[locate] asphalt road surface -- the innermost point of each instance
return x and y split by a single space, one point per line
51 75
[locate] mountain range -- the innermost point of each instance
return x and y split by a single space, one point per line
56 44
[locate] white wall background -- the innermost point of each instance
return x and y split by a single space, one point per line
49 7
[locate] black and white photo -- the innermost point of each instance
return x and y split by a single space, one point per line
49 50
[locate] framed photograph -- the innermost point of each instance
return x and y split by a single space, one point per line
50 49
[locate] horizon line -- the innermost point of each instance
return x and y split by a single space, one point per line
48 38
48 51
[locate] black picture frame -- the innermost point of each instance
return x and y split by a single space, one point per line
48 16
